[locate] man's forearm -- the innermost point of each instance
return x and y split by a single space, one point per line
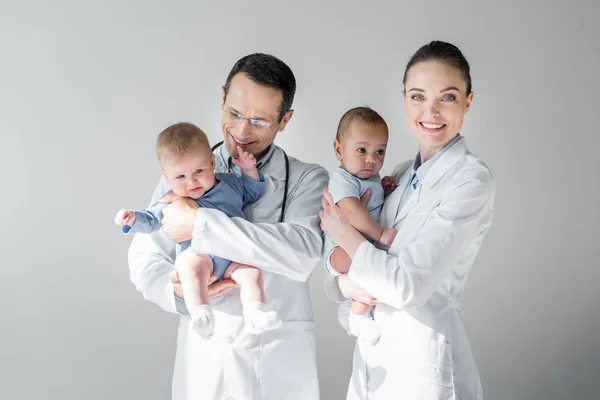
289 249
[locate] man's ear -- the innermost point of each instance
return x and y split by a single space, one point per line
285 119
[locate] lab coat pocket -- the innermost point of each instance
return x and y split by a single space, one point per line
438 367
288 362
424 367
198 365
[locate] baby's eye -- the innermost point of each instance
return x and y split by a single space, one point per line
180 177
197 171
361 150
380 152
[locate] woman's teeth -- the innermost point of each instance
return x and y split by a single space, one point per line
431 126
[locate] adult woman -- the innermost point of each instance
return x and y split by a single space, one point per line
442 208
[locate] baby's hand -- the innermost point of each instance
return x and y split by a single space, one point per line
387 237
246 161
389 185
125 217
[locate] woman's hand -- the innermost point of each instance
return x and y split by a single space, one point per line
337 226
388 236
333 222
351 290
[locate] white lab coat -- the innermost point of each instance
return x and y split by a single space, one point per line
423 352
234 364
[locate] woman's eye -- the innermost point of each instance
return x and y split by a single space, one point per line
416 97
449 97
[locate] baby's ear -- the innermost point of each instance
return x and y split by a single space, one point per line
162 171
337 148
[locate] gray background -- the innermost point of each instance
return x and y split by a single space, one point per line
85 89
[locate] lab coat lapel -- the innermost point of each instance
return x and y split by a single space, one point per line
446 162
409 204
390 207
274 170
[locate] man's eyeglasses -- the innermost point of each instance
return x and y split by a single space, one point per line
255 123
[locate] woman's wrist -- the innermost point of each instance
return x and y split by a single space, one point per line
351 241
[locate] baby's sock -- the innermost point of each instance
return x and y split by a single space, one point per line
203 321
364 327
259 319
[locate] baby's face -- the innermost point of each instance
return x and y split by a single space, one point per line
192 174
362 149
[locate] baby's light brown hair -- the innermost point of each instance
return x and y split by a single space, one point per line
361 114
179 139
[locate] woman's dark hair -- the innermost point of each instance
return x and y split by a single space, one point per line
443 53
269 71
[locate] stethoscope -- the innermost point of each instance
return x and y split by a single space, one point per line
287 176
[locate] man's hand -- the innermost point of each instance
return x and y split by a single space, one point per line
214 290
179 217
351 290
177 289
220 288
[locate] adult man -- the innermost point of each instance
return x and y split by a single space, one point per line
280 364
